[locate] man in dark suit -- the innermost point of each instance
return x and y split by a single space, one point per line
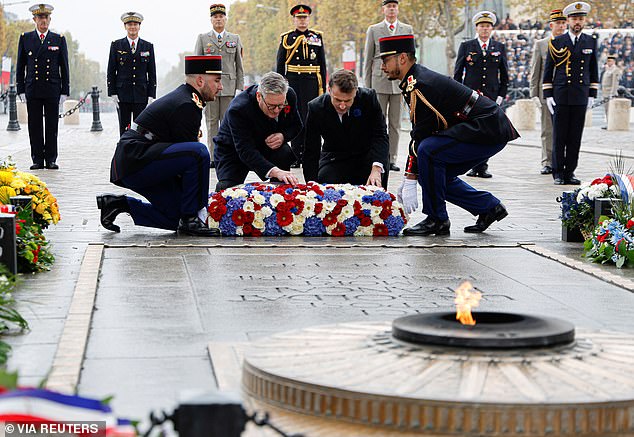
255 132
571 83
356 145
161 158
131 72
481 65
453 128
301 58
42 79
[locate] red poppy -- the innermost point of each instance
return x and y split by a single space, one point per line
380 230
256 232
318 208
629 224
248 216
284 218
239 217
366 221
330 219
217 210
602 238
342 202
247 229
339 230
385 213
287 109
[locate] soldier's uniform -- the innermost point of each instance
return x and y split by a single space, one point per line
131 74
571 76
229 46
482 66
42 75
302 60
610 83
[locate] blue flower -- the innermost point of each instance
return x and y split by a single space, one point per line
234 204
226 225
313 227
272 227
332 195
394 224
351 225
381 196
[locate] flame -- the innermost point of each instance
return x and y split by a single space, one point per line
466 299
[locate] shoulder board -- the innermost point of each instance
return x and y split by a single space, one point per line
61 36
285 33
318 32
22 34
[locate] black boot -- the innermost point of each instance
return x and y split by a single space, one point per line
196 227
111 206
485 220
429 226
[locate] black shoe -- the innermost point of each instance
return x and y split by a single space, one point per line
429 226
604 127
484 174
196 227
472 173
111 206
37 167
547 169
559 181
394 167
52 166
485 220
296 164
572 180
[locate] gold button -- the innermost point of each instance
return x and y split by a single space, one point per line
484 77
48 66
35 59
134 68
582 61
485 60
580 81
134 60
48 60
569 82
485 69
581 75
582 68
36 78
134 75
133 83
47 73
35 65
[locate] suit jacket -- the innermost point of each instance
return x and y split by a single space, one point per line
245 127
231 51
610 81
540 51
362 133
42 67
486 73
174 118
571 74
372 75
132 77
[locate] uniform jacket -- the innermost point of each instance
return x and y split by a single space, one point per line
486 73
372 75
42 67
302 49
132 77
362 132
231 51
442 111
571 74
174 118
540 51
610 81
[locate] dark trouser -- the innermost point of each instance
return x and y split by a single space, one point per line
234 172
43 143
354 170
568 123
128 112
176 184
306 87
440 161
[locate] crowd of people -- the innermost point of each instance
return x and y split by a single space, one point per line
509 24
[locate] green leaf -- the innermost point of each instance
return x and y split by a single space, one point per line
8 380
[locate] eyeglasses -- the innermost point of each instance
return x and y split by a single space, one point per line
274 107
384 59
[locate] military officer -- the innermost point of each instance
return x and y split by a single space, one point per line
610 80
453 128
301 58
387 91
160 158
558 25
42 79
481 65
228 45
131 72
571 83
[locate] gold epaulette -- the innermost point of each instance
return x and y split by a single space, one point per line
559 55
318 32
285 33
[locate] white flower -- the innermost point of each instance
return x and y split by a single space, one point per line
295 228
375 211
276 199
267 211
364 231
258 198
346 212
309 208
239 231
248 206
212 223
258 223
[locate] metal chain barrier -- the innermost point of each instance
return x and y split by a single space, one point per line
4 96
76 107
621 92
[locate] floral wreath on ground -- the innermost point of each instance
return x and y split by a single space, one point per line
311 209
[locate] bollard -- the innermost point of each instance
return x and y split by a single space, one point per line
96 122
8 242
524 114
13 110
619 114
588 122
74 117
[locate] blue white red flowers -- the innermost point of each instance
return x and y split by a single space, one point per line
308 209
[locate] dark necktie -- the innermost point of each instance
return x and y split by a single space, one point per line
576 39
133 47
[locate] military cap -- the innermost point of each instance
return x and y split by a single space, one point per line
385 2
41 9
612 56
556 15
577 9
484 17
203 64
131 17
217 8
301 11
391 45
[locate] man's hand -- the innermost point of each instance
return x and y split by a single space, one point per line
62 98
274 141
22 97
550 102
590 102
150 100
375 177
537 102
284 176
407 194
115 99
499 100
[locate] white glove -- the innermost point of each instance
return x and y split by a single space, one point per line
62 98
550 102
537 101
150 100
22 97
407 194
499 100
237 92
115 99
590 102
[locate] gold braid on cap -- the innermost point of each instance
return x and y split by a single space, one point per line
290 49
559 55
